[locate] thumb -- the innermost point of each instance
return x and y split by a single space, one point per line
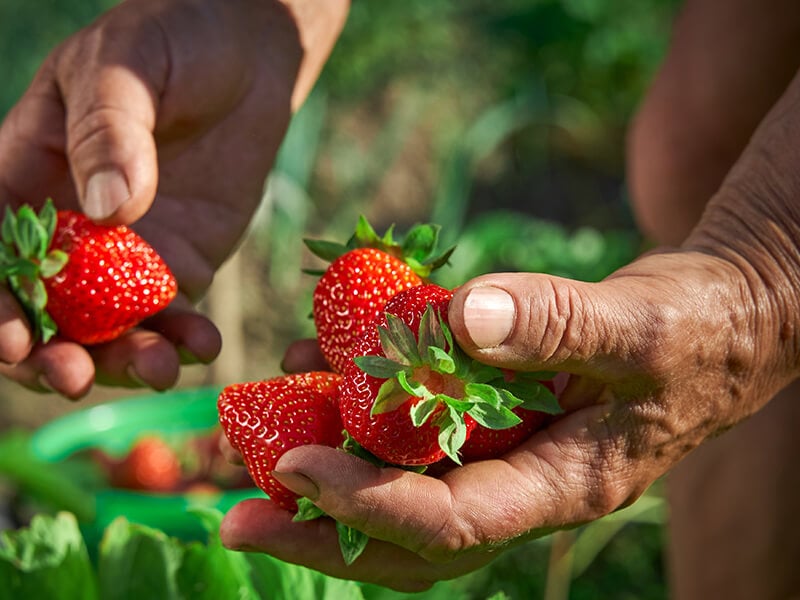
111 106
527 321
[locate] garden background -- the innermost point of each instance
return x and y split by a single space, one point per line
503 121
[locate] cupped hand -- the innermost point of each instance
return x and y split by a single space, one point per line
181 101
668 351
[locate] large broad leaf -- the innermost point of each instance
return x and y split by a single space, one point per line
211 571
138 562
48 559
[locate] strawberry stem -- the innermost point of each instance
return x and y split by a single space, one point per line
431 367
418 248
25 260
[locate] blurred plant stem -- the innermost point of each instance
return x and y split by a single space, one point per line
224 303
559 568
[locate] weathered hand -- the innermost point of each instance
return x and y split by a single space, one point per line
663 354
181 101
672 349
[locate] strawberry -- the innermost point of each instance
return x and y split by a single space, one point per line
363 275
412 397
150 465
88 282
486 443
264 419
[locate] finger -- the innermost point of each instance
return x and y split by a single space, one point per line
59 366
110 83
302 356
577 470
258 525
137 358
530 321
16 340
438 519
195 337
228 452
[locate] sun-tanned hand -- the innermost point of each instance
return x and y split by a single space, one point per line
667 352
132 109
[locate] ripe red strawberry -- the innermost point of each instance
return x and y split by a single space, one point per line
88 282
412 397
362 277
485 443
150 465
264 419
351 294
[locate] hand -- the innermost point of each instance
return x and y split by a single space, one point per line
663 354
184 101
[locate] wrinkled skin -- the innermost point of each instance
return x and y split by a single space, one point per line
668 352
104 101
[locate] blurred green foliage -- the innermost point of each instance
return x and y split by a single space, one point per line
29 31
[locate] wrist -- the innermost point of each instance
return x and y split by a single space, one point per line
753 224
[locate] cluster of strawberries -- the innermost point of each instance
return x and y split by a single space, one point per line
400 390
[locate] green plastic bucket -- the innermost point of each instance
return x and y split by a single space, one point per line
113 428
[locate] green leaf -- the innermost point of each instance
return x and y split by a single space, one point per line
328 251
484 393
210 571
422 411
441 361
307 510
412 386
494 417
534 396
420 242
459 404
430 332
365 235
9 226
30 235
390 397
398 341
138 562
436 262
481 373
452 435
38 295
379 366
351 542
48 559
52 263
47 327
448 335
48 217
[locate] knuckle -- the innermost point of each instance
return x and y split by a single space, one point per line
453 538
563 330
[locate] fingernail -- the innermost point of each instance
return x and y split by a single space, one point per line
106 191
489 315
298 483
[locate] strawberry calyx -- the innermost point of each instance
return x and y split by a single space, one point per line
418 248
448 384
26 260
352 542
